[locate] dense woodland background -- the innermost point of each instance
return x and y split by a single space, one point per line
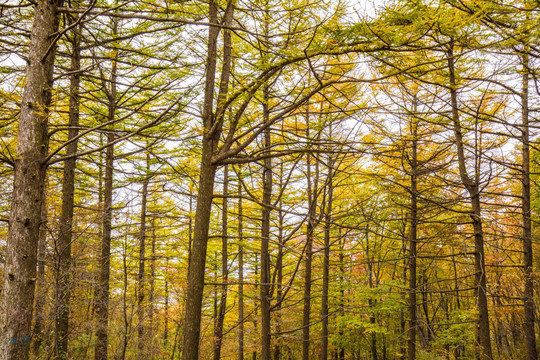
347 180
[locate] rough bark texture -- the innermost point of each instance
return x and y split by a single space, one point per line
28 186
483 338
41 285
63 251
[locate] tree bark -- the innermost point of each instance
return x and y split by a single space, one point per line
326 262
28 186
151 295
528 294
141 278
413 240
63 250
212 125
240 276
371 303
472 186
279 271
312 202
102 289
218 333
41 284
265 238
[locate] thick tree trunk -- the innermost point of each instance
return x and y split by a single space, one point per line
63 250
102 289
218 333
28 186
483 337
198 254
212 124
528 295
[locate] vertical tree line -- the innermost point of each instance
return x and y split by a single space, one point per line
268 180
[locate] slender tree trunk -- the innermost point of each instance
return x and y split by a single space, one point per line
166 327
341 349
429 328
63 251
125 315
141 279
28 186
218 333
152 296
326 263
212 124
256 309
311 189
279 271
371 304
528 295
102 288
413 239
265 237
240 276
483 337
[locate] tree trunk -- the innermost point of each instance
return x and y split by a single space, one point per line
152 296
218 333
279 272
102 288
528 295
240 276
413 239
212 125
265 237
63 251
326 263
341 349
483 338
311 190
371 303
256 309
141 280
28 186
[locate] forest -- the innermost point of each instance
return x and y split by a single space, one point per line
269 179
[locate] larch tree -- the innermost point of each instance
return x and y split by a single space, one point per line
28 186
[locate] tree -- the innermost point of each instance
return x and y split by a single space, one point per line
28 186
